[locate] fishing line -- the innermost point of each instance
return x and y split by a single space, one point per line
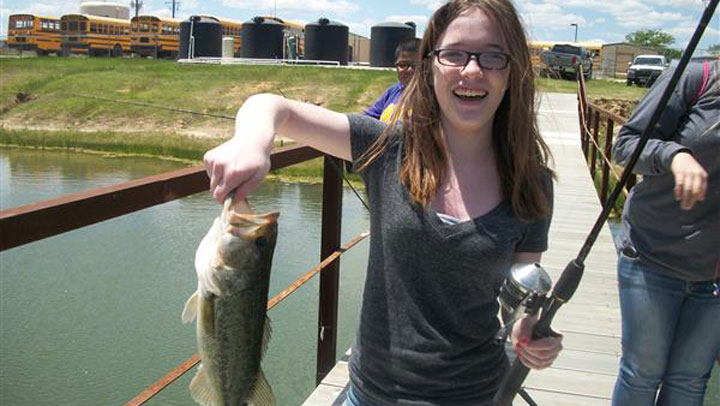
572 274
220 116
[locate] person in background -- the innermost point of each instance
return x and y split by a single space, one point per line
458 191
669 267
406 58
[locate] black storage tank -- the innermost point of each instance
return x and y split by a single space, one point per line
384 38
208 34
262 38
327 40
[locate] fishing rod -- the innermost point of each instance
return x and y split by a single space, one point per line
220 116
573 272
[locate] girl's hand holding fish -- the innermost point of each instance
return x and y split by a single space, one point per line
243 161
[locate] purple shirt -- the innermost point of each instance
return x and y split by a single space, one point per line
384 107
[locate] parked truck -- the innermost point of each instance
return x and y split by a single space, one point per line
566 60
644 69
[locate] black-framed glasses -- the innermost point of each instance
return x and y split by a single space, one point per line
405 65
459 58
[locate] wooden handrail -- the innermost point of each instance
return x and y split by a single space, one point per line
33 222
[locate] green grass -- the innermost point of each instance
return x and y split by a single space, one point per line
51 83
167 146
596 88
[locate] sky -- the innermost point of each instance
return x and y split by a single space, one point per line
604 21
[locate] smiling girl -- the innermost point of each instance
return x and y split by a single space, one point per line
459 190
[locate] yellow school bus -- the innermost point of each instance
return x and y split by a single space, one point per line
155 36
34 33
93 35
536 50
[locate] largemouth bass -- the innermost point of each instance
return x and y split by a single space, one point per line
233 266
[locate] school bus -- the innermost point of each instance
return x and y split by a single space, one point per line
34 33
536 50
93 35
155 36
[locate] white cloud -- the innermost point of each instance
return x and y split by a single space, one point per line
361 27
328 6
651 19
419 20
53 9
431 5
684 4
549 16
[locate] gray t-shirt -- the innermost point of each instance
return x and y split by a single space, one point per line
683 244
429 310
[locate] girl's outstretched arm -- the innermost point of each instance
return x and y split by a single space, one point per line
242 162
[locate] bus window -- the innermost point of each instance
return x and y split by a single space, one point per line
73 26
20 24
83 26
63 26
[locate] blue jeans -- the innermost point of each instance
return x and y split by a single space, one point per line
670 337
351 399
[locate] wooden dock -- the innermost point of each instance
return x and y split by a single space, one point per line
584 373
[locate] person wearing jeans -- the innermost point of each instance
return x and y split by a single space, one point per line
669 266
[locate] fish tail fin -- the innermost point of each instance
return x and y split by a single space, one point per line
203 391
262 392
190 310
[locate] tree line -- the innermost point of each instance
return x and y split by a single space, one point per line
662 41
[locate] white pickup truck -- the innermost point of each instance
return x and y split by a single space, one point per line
644 69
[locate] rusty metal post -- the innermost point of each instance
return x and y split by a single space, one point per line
632 180
593 150
329 279
582 109
606 165
584 140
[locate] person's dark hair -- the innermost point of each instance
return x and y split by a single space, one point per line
408 45
522 154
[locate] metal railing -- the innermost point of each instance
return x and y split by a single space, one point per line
597 156
33 222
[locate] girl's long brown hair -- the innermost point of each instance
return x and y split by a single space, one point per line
521 153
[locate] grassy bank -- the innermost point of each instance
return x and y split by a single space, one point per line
42 92
189 150
39 103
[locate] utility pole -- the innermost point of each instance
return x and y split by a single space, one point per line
175 6
576 28
137 5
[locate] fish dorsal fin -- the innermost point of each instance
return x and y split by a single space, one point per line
262 392
203 391
190 310
267 332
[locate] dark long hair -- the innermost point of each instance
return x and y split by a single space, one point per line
522 155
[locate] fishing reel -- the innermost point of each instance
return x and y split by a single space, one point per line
523 293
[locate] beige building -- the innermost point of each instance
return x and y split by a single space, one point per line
614 58
359 48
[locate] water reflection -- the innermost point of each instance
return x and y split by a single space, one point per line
92 316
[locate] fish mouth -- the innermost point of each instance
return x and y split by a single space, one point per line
239 220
